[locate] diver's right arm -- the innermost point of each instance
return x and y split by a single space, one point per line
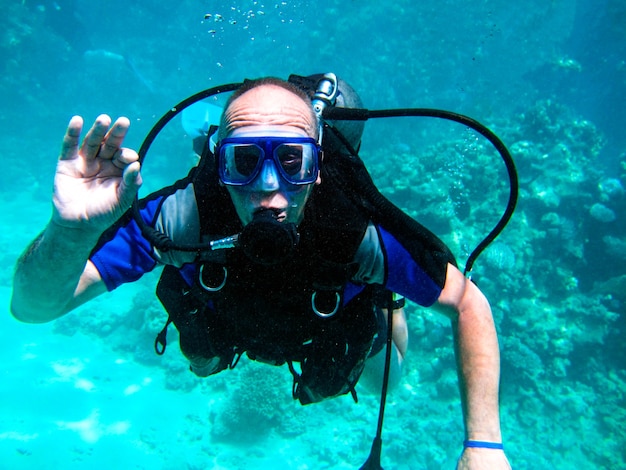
95 183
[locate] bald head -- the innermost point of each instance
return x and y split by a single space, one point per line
269 104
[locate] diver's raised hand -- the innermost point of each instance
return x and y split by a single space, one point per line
96 181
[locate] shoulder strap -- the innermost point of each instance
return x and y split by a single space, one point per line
217 213
350 175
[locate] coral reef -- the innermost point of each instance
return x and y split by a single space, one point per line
552 277
555 277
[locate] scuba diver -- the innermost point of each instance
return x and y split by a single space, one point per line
303 252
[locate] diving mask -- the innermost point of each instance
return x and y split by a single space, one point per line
240 159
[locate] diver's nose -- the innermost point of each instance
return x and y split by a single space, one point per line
268 178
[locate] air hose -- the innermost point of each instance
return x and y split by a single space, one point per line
352 114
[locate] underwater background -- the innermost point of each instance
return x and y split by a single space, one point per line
549 77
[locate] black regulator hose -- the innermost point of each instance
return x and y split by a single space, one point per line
162 242
352 114
175 110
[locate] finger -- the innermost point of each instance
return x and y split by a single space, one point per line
131 182
114 138
69 147
93 140
124 157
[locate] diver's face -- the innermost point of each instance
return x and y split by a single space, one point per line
270 111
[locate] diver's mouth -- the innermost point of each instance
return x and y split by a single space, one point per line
266 240
278 214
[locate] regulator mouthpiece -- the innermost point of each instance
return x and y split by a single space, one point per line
267 241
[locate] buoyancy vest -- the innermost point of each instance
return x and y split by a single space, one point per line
282 313
295 311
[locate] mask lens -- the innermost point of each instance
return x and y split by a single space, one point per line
298 162
290 158
240 162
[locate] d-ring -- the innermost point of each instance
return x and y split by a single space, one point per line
323 314
209 288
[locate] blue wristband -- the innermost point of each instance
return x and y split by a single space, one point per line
483 445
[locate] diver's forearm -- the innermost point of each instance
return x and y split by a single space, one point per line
48 273
478 359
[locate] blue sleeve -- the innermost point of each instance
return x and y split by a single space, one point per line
404 275
126 255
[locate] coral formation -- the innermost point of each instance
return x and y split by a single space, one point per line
555 277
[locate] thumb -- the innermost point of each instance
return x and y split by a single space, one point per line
131 182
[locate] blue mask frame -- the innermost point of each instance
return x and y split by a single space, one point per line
240 159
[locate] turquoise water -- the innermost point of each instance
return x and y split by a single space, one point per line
549 78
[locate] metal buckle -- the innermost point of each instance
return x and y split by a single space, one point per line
211 288
325 314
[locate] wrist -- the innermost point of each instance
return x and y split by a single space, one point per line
469 443
74 236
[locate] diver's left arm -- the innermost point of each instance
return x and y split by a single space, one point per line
478 362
